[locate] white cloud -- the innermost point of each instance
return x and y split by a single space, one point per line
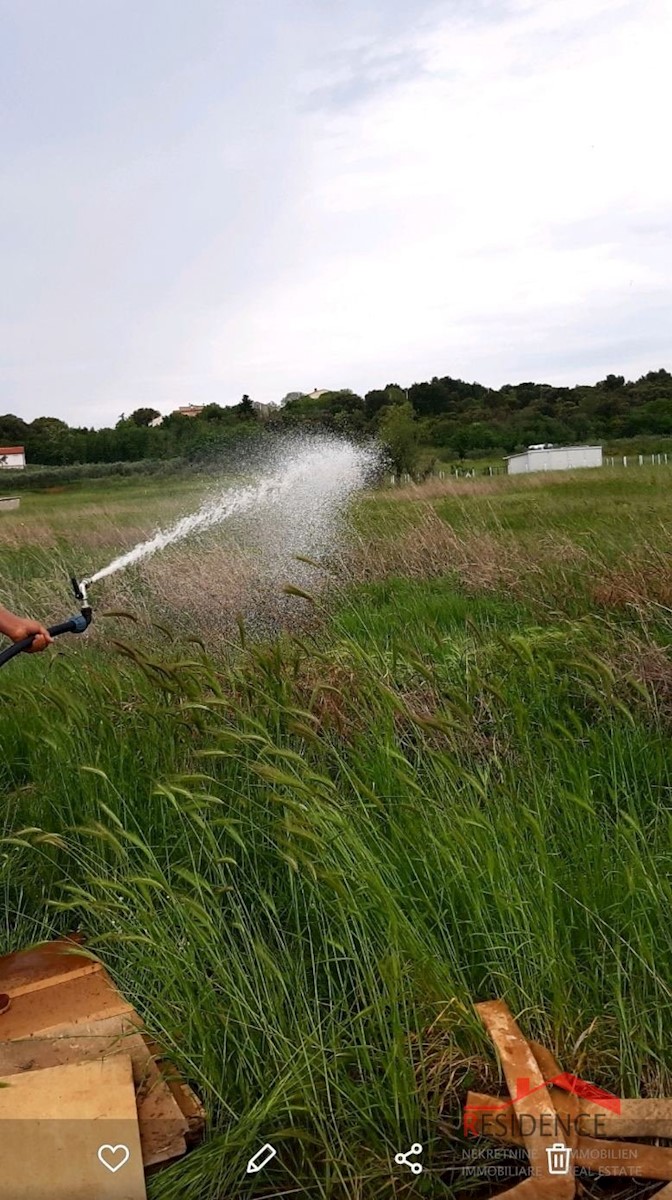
451 199
485 194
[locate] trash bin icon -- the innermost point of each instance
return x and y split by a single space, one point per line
559 1158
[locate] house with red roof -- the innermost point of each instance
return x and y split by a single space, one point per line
12 457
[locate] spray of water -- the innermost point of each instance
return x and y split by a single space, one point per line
311 479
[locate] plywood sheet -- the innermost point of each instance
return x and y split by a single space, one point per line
163 1126
36 1013
43 966
52 1124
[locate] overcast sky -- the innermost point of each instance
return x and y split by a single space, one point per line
200 198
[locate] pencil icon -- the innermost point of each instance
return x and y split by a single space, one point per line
261 1158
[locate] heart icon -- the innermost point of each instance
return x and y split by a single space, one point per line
114 1157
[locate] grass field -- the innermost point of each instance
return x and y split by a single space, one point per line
304 856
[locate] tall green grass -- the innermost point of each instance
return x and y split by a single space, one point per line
304 861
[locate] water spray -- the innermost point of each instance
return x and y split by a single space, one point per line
77 624
315 475
309 481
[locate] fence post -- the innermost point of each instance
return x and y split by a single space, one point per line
625 460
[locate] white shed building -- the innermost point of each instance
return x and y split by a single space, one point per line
553 458
12 457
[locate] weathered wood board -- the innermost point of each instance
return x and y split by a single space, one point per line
64 1008
52 1124
163 1126
44 965
604 1156
33 1014
519 1063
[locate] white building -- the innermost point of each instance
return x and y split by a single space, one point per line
12 457
553 458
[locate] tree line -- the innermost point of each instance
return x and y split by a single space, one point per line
445 414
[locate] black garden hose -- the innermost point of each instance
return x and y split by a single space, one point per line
73 625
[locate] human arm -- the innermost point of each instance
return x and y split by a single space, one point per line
17 628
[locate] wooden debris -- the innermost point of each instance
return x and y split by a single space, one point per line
49 1010
57 1119
518 1064
636 1159
44 965
65 1009
537 1092
186 1099
637 1118
163 1125
191 1108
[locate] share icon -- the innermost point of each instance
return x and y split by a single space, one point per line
402 1159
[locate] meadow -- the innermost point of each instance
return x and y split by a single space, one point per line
305 846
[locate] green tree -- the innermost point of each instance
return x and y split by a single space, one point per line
245 411
399 432
49 442
214 412
13 430
143 416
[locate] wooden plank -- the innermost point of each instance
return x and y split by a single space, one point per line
637 1118
189 1103
43 966
523 1075
163 1125
83 1018
603 1156
191 1108
52 1124
33 1014
83 1040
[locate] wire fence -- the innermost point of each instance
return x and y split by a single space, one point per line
463 471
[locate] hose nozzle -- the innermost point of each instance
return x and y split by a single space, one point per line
79 589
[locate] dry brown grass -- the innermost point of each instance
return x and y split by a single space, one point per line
641 659
331 692
205 591
432 548
642 583
436 489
